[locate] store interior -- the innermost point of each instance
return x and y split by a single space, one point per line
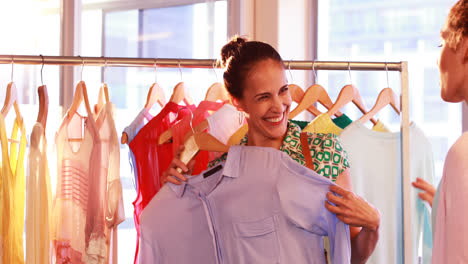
371 56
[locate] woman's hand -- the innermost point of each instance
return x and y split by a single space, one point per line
172 175
352 209
428 190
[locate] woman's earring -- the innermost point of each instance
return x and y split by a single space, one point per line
241 117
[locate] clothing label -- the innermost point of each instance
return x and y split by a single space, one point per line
212 171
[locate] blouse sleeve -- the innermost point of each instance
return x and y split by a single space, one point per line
328 156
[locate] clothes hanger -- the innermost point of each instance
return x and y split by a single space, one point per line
297 93
179 93
43 101
177 96
349 93
324 98
11 98
315 93
80 95
217 91
155 93
103 96
385 97
166 135
200 141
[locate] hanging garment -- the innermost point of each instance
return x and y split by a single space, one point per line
152 159
277 215
329 157
376 176
77 164
131 131
12 192
451 230
224 122
342 121
380 127
179 130
38 200
106 201
323 124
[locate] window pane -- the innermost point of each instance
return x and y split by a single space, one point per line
183 31
371 30
31 31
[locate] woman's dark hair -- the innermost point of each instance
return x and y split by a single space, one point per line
457 23
238 57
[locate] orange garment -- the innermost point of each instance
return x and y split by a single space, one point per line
38 200
12 194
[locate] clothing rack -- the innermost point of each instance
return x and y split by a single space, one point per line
189 63
402 67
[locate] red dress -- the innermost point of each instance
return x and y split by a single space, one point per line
152 159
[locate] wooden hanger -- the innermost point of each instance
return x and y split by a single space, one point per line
296 92
324 98
11 99
80 95
217 91
43 105
103 98
155 95
386 96
43 101
200 141
179 95
313 94
349 93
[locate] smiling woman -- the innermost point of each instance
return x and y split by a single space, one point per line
255 78
263 96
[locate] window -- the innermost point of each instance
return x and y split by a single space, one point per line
184 31
35 30
392 31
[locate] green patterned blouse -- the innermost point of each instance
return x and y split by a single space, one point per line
328 156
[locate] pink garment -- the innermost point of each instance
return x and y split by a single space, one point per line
106 199
451 228
77 164
182 127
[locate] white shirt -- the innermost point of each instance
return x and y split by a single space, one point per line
375 160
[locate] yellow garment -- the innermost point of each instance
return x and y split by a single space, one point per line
323 124
38 200
12 192
380 127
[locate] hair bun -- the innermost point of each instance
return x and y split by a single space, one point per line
231 49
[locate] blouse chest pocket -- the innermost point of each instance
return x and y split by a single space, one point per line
257 241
